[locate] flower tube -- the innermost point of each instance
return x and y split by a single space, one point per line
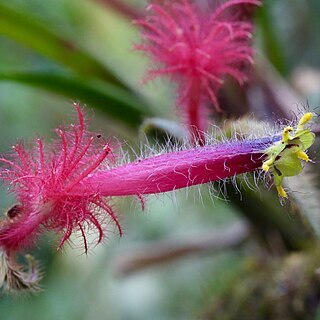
181 169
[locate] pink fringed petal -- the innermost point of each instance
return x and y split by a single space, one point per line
43 179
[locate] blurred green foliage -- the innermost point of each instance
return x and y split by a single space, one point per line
55 51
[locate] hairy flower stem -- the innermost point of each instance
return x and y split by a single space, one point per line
181 169
194 116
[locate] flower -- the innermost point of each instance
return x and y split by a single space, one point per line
279 154
43 179
68 185
284 157
197 50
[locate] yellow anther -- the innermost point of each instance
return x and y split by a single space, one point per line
281 192
265 167
304 120
267 164
302 155
286 134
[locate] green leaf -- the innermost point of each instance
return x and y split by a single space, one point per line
116 102
27 30
270 41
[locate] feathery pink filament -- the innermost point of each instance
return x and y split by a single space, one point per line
43 180
197 50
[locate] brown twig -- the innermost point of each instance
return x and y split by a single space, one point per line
165 251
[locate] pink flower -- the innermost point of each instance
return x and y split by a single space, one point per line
68 185
44 180
197 49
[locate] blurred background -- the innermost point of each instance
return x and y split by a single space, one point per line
189 255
